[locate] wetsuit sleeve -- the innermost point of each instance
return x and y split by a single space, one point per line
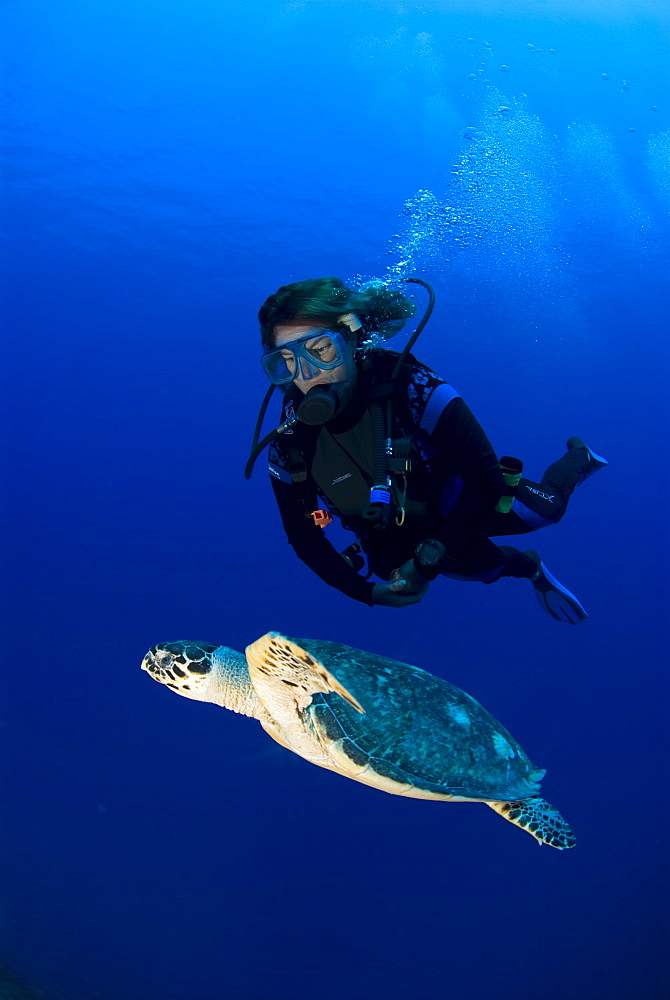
313 548
467 452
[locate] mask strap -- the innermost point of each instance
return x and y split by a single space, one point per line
351 321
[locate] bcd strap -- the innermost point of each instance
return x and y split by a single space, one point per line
401 455
379 391
296 466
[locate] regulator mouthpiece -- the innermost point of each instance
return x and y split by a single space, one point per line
319 405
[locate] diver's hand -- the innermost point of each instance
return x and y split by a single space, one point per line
394 595
406 587
415 582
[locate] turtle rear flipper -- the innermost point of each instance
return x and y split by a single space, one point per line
539 818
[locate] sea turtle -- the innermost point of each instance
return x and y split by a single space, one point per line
384 723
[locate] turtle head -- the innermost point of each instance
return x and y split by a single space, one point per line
186 667
204 672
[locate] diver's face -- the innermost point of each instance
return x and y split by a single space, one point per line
320 345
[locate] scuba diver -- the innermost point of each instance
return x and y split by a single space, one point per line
380 441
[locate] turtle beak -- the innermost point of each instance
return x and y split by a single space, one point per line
149 663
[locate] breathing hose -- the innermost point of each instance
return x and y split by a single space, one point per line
257 448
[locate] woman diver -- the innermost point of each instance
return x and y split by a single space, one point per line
380 441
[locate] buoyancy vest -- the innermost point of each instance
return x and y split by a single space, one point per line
337 458
341 467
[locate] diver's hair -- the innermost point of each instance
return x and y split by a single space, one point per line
381 310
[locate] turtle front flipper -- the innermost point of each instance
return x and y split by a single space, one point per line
276 660
539 818
285 677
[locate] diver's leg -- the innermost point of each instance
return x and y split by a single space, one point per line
517 563
485 562
570 471
542 505
538 505
554 598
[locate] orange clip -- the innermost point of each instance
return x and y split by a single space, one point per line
322 518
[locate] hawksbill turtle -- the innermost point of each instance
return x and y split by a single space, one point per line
384 723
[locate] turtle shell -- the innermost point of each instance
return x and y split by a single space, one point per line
417 731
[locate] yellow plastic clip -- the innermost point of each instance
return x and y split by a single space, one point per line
511 470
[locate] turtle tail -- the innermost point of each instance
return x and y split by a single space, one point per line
539 818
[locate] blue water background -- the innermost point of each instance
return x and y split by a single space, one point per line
168 166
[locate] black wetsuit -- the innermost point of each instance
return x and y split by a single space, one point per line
452 490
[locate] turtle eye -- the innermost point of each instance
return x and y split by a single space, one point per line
164 660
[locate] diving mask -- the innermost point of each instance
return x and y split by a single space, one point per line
317 351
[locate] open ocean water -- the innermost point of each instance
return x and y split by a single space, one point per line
167 166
